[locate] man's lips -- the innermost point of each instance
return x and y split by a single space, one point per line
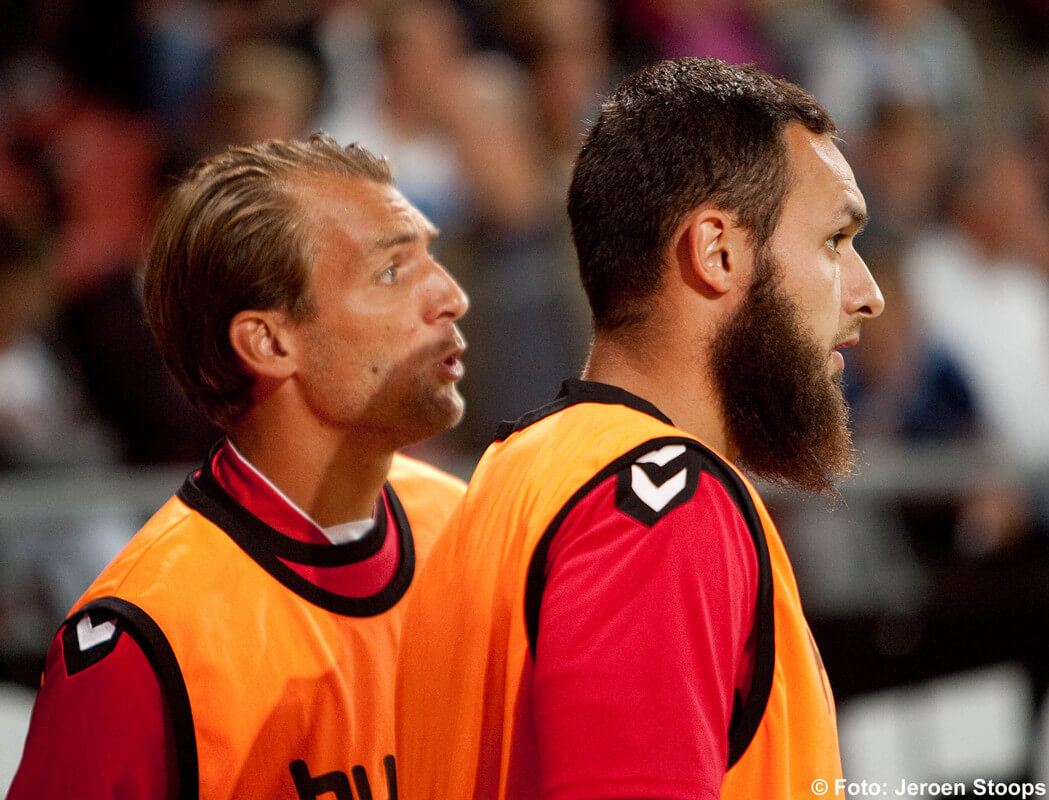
451 366
852 341
835 353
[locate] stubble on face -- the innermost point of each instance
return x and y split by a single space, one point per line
786 416
421 402
400 400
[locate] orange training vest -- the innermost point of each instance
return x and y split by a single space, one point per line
462 687
272 696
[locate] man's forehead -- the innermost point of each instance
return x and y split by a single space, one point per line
362 204
816 159
338 189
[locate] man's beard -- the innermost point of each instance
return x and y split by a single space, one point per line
786 416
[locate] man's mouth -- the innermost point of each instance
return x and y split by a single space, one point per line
852 341
452 365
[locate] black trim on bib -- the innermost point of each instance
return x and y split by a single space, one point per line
147 634
746 714
270 549
576 391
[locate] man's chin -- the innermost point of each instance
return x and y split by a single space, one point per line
456 412
446 409
809 449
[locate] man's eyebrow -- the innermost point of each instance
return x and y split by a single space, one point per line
858 216
386 242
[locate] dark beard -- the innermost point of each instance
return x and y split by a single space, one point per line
786 417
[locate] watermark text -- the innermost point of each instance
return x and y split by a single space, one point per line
980 787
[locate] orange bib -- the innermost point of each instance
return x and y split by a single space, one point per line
271 695
463 682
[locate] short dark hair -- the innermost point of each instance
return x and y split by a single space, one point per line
229 238
671 137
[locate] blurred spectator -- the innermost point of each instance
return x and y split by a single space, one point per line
261 89
980 283
860 54
907 388
100 159
566 48
902 385
224 71
727 29
180 39
347 40
905 199
44 419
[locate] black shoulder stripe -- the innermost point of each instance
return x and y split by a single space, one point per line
746 714
147 634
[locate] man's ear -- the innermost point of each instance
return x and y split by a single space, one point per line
261 340
714 251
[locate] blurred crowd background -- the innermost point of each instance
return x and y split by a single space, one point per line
928 585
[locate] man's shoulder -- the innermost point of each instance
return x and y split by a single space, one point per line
661 513
427 494
564 457
181 554
413 473
572 444
658 477
100 695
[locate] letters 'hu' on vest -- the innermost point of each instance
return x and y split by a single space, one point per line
463 682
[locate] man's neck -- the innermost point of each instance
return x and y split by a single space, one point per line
332 479
682 391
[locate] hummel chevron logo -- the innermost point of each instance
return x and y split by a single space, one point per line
657 483
86 641
89 635
655 497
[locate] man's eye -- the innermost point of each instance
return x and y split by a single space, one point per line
834 241
388 275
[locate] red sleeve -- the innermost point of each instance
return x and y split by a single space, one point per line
643 641
100 727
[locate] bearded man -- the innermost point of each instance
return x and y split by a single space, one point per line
610 611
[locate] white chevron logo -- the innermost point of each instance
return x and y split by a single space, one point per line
89 635
662 456
656 497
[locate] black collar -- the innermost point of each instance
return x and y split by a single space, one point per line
576 391
271 549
